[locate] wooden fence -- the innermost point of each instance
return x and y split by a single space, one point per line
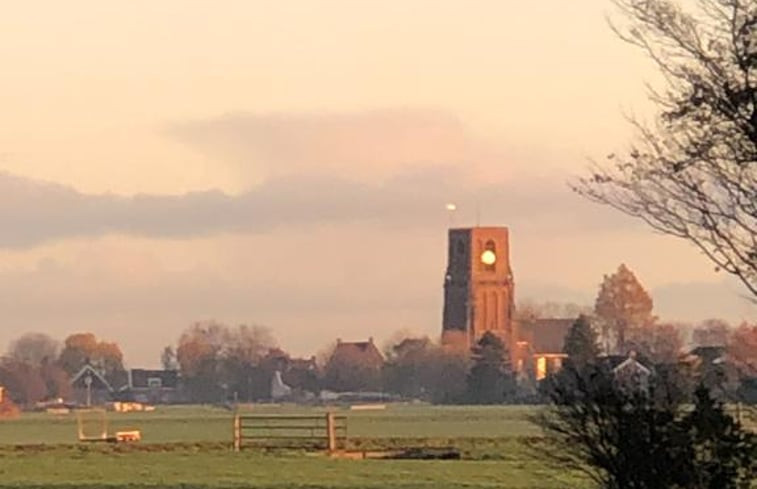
327 431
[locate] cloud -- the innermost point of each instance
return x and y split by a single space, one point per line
33 212
357 145
391 168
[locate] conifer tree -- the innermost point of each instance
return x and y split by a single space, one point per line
725 454
581 344
491 379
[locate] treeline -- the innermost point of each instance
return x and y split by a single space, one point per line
38 368
221 363
218 363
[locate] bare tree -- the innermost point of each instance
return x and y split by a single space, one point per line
657 342
711 332
693 173
530 310
34 349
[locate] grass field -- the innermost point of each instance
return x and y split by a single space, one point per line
189 447
206 424
229 470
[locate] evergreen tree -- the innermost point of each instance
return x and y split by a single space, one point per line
725 454
627 438
491 379
581 344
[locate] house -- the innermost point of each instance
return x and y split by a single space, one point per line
354 366
632 374
300 374
719 373
364 352
279 390
152 386
410 347
90 387
539 351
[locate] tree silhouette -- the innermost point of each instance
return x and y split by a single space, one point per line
725 456
637 438
693 174
581 343
491 379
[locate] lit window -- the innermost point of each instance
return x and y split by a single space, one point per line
541 368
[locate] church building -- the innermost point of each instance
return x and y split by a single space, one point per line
479 297
478 287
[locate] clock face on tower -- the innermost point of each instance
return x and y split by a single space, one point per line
488 257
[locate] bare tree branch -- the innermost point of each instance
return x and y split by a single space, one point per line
693 173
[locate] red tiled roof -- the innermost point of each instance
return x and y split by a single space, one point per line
365 351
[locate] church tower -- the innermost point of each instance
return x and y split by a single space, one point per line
478 286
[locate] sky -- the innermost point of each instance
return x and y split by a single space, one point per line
288 163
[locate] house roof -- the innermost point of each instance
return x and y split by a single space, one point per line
140 378
546 335
630 364
359 351
303 363
410 345
97 380
612 361
709 353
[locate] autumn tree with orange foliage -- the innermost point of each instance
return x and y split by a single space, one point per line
82 348
623 307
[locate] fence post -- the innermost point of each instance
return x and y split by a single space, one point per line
237 433
330 431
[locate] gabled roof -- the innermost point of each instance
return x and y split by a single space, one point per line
412 344
630 364
546 335
709 354
360 351
612 361
98 381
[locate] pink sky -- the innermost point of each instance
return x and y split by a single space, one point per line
287 164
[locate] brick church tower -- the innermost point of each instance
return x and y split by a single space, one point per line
478 286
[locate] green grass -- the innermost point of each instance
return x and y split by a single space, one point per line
195 424
220 469
189 447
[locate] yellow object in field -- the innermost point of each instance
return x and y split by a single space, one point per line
126 436
128 407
